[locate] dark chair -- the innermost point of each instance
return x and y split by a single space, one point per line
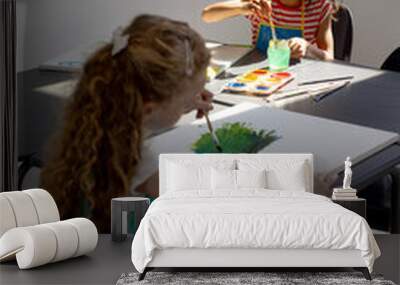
393 61
26 164
342 28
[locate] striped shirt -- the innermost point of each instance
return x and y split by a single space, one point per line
315 11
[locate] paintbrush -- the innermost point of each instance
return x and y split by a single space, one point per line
330 92
326 80
303 91
272 25
212 133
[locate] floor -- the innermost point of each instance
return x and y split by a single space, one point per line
103 266
110 260
389 262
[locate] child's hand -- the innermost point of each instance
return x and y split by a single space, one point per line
298 47
203 103
250 7
265 7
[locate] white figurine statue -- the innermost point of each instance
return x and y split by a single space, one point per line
347 174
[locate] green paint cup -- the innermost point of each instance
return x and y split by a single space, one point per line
278 55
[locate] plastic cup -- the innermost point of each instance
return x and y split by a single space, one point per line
278 55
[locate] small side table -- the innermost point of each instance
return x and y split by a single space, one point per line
358 205
120 209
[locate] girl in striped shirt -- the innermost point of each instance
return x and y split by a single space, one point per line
305 23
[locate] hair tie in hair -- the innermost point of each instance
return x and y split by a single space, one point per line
189 58
119 41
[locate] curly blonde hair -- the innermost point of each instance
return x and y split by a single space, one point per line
95 156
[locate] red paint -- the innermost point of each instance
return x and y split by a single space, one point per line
282 74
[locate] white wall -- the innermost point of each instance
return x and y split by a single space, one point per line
48 28
376 30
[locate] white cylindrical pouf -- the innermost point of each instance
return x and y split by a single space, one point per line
34 246
23 208
7 218
67 240
45 205
87 235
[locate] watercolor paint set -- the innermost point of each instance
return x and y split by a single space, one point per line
259 82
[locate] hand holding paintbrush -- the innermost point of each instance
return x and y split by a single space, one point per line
259 7
203 103
264 8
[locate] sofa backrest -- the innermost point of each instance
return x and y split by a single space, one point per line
275 159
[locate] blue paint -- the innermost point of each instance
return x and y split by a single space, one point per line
262 87
236 85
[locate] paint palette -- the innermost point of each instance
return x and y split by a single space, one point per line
259 82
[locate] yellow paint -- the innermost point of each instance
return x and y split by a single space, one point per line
274 79
248 78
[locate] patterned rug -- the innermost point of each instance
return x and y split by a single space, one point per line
244 278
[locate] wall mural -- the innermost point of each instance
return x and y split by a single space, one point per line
236 138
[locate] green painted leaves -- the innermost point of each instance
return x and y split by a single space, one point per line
235 138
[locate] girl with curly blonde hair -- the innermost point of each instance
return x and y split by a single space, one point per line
153 72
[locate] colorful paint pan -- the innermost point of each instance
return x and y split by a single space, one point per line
258 82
